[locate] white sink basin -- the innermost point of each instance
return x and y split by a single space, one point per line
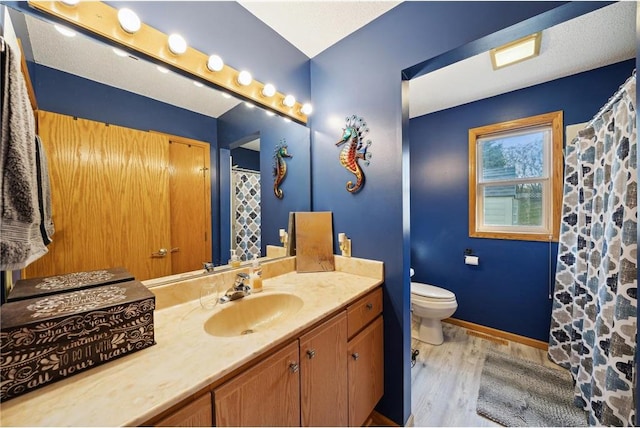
253 314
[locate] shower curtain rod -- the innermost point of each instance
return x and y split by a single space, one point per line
237 168
613 99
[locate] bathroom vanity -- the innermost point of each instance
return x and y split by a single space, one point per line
319 363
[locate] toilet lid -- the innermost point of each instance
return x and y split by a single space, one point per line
431 291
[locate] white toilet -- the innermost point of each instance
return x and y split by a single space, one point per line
431 304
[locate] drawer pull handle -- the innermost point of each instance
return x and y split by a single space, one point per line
369 306
293 367
355 355
311 353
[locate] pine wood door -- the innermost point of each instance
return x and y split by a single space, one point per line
323 374
190 195
268 394
110 198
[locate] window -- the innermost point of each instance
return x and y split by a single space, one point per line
515 179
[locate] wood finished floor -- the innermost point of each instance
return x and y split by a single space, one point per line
446 378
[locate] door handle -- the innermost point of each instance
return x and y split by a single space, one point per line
161 253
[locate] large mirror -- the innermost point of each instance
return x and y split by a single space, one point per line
83 80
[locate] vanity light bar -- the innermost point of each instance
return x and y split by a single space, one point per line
102 20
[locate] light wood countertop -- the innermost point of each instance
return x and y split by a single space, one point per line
186 359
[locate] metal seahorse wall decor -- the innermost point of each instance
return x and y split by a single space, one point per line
280 167
355 149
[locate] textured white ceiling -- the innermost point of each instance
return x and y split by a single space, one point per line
313 26
600 38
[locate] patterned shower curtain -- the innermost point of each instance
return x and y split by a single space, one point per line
246 213
593 322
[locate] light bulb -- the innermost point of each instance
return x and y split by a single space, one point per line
177 44
269 90
70 3
248 104
270 113
289 101
198 84
64 31
306 109
161 69
244 78
129 21
215 63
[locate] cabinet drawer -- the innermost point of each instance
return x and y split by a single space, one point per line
195 414
362 312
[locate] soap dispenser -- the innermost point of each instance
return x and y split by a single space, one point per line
234 261
255 277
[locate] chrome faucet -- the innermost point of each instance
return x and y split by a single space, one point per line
238 290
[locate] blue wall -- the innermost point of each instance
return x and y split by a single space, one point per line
67 94
513 276
362 74
245 158
242 124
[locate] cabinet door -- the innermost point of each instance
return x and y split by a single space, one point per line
323 371
268 394
366 372
195 414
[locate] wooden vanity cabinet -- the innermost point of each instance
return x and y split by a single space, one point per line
267 394
366 372
330 376
195 414
323 374
365 356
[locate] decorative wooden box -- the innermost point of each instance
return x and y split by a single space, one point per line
36 287
46 339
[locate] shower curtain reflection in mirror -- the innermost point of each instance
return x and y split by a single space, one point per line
245 213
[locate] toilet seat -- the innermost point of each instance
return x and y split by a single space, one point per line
429 292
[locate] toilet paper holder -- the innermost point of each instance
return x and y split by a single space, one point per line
470 258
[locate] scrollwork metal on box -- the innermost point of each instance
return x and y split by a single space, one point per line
280 167
355 149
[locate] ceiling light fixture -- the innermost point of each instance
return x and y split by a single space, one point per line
516 51
177 44
244 78
215 63
128 20
120 52
64 30
289 101
161 69
269 90
306 109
